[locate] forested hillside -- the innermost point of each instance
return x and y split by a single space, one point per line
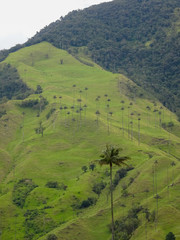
139 38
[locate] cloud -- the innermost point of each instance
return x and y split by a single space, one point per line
21 19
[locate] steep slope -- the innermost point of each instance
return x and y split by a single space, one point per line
45 187
137 38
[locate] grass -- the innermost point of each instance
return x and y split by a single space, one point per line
68 145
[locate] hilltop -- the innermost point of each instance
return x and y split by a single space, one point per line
49 141
138 38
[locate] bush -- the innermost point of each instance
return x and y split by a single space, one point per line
52 237
52 184
170 236
34 103
98 187
87 203
118 176
50 113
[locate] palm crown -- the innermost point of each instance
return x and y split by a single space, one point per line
111 156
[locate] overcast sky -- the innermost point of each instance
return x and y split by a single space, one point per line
21 19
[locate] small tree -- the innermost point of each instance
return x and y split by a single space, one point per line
84 168
92 166
38 89
170 236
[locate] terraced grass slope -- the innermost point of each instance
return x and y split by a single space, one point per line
46 178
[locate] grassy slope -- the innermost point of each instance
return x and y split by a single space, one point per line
67 146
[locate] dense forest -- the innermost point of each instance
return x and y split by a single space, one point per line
139 38
11 86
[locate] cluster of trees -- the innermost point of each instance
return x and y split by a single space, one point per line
37 223
11 85
21 190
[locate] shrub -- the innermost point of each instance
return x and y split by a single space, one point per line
52 237
87 203
84 168
98 187
52 184
50 113
118 176
170 236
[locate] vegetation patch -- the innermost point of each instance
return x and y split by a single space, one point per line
54 184
34 103
21 190
125 226
36 223
98 187
11 85
88 202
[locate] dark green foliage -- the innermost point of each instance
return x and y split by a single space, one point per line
121 173
84 168
50 113
34 103
125 226
38 89
87 203
51 184
98 187
52 236
36 223
21 190
92 166
170 236
118 176
11 86
31 103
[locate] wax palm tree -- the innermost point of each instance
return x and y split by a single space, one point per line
74 93
86 92
109 157
173 164
97 114
122 109
23 114
139 119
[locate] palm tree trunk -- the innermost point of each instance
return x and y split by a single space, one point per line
112 213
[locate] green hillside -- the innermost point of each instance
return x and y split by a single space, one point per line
49 141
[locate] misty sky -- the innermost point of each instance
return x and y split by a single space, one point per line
21 19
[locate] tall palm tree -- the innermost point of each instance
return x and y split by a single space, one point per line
97 114
109 157
139 119
23 113
86 92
